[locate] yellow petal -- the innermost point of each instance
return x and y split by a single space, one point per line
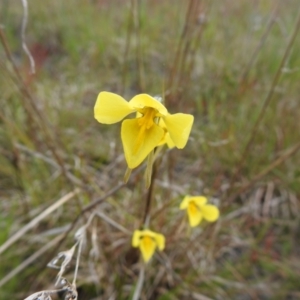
144 100
111 108
149 233
210 212
199 200
147 247
194 214
138 141
136 238
179 126
185 202
160 241
167 140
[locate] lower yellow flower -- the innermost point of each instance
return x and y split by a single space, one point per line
148 241
197 209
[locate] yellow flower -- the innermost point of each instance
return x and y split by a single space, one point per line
145 132
197 209
148 241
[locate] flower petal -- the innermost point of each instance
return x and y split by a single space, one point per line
147 246
160 241
111 108
144 100
185 202
210 212
199 200
136 238
149 233
138 142
194 214
179 126
166 138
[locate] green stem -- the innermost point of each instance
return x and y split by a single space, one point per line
150 194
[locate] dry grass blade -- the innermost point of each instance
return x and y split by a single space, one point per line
68 289
66 257
43 295
37 219
113 223
139 285
24 24
30 260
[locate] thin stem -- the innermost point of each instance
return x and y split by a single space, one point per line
150 194
127 175
139 284
24 24
148 173
77 261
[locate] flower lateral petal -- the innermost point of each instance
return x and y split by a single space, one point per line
135 242
210 212
179 127
111 108
144 100
160 241
138 142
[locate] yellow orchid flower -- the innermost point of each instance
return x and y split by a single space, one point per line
197 209
148 241
143 133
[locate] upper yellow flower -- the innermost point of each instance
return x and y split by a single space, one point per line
143 133
198 209
148 241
